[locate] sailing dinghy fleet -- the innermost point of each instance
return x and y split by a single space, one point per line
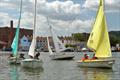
98 41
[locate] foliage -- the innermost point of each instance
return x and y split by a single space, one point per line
78 37
69 45
114 37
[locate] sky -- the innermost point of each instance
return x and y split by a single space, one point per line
65 16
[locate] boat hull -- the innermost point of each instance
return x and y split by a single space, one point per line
14 60
60 56
99 63
31 63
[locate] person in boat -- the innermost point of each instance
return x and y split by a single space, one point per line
85 57
22 56
37 55
10 56
93 58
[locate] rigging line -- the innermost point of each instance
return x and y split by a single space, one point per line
49 26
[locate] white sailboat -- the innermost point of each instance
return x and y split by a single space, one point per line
59 47
99 42
14 59
32 63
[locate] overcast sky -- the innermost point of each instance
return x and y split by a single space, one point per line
65 16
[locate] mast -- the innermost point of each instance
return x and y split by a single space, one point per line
35 18
35 24
15 43
19 21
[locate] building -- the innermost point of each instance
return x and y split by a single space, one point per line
42 43
7 34
24 43
67 40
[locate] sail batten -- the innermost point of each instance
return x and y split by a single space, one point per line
99 38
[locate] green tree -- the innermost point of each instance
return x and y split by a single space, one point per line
114 40
78 37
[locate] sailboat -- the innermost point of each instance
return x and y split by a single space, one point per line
14 46
32 62
99 42
15 59
59 47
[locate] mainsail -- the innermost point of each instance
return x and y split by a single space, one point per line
32 47
57 43
15 42
49 48
99 38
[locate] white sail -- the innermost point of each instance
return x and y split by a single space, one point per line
59 46
49 48
32 47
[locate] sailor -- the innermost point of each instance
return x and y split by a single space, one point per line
85 57
22 56
93 58
37 55
11 57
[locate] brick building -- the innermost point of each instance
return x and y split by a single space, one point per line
7 34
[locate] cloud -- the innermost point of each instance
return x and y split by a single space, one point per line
54 9
69 27
58 9
62 15
110 5
5 19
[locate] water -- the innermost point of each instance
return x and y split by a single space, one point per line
58 70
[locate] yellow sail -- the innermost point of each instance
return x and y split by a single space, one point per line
99 39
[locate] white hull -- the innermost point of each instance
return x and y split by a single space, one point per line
31 63
60 56
105 63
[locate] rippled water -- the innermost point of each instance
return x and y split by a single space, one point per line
58 70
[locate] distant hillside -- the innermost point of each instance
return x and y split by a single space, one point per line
115 33
114 37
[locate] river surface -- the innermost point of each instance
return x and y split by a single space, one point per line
58 70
